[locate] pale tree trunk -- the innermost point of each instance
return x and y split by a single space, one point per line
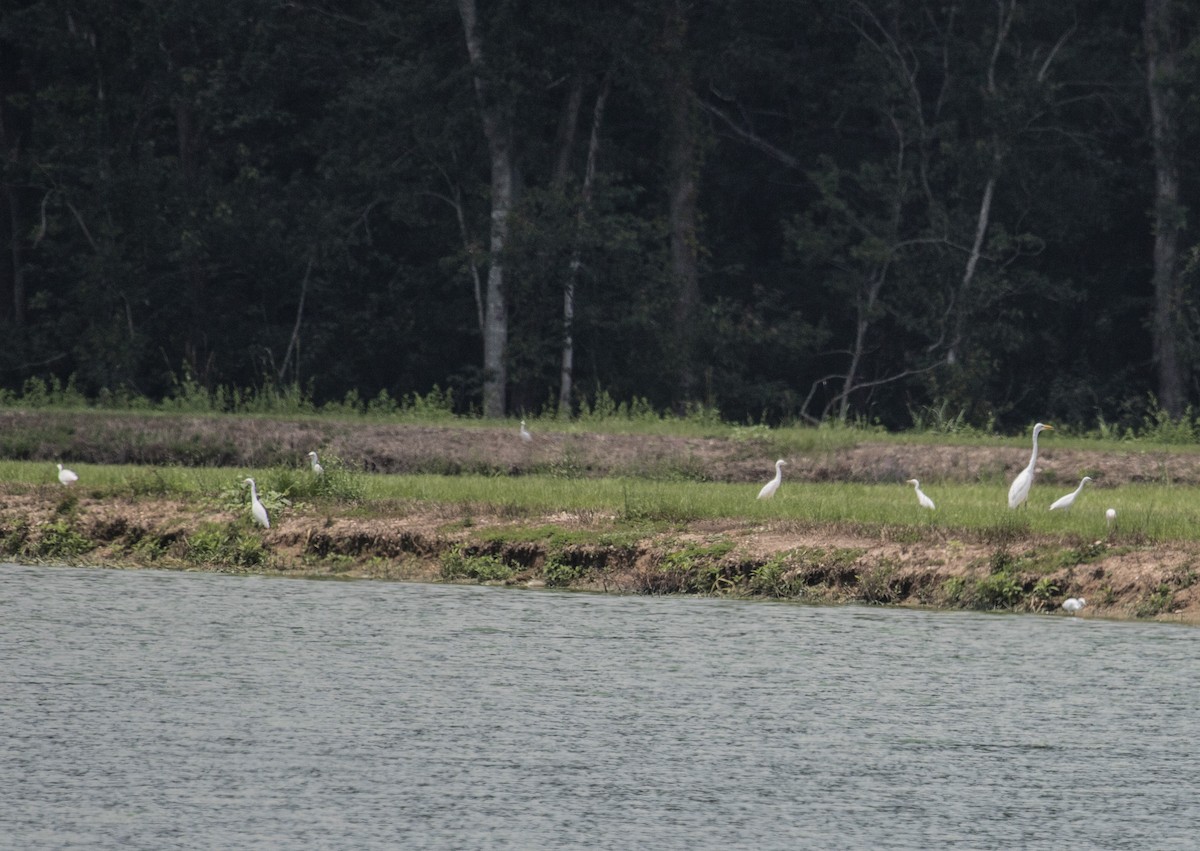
1161 59
497 128
683 176
1006 11
585 202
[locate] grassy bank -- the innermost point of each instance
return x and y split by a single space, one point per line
633 504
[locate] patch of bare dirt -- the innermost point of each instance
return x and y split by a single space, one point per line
410 448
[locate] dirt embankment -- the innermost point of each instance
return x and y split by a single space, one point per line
792 559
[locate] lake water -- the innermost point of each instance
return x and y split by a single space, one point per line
169 710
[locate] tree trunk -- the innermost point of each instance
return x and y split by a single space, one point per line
683 189
497 128
1161 59
567 373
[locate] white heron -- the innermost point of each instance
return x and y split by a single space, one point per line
1020 486
925 501
1073 604
316 465
257 510
525 435
1111 517
768 490
1065 502
66 476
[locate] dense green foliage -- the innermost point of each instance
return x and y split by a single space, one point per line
284 195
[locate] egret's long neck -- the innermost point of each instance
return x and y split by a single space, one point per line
253 492
1033 456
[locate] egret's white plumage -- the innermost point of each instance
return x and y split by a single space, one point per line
1065 502
316 465
1020 486
525 435
768 490
925 501
66 476
1074 604
257 510
1111 517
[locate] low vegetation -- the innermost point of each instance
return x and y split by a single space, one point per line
563 524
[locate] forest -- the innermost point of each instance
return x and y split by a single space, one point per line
784 211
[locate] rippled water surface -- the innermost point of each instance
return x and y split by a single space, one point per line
168 710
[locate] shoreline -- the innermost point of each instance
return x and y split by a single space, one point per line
781 560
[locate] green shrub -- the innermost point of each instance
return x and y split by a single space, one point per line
287 485
1156 602
558 573
997 591
225 543
59 540
457 564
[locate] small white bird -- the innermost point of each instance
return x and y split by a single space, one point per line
1073 604
925 501
316 465
1111 517
525 435
66 476
768 490
1065 502
257 510
1019 490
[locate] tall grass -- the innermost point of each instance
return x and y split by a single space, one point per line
1145 512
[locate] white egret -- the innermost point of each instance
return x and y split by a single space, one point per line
925 501
1065 502
1073 604
525 435
316 465
1020 486
768 490
1111 517
66 476
257 510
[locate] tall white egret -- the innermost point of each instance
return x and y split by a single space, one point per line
257 510
525 435
66 476
925 501
1020 486
1073 604
768 490
1065 502
1110 517
316 465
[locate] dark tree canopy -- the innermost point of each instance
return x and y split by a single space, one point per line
782 210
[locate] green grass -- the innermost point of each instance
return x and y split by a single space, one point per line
1145 512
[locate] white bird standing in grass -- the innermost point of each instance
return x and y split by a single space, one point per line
1073 604
257 510
1065 502
316 465
525 435
768 490
1020 486
925 501
1111 517
66 476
